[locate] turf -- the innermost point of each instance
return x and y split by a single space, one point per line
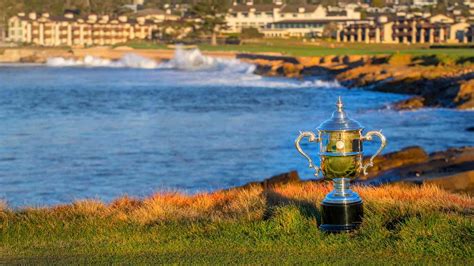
402 225
295 47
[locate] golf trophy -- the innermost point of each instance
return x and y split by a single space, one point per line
341 158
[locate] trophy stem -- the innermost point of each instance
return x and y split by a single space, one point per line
341 209
342 187
342 192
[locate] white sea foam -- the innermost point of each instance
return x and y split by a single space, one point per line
194 60
129 60
201 70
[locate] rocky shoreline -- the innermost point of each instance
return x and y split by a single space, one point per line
452 170
434 85
431 82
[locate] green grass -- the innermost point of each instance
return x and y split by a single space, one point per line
393 232
294 47
289 237
307 50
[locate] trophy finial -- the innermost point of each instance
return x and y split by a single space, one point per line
339 104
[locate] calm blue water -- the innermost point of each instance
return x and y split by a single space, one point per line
73 133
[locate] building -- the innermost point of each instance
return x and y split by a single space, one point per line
408 30
157 15
295 28
46 30
282 20
2 33
423 3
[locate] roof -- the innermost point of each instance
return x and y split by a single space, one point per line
295 8
324 21
149 12
258 8
336 13
131 21
269 7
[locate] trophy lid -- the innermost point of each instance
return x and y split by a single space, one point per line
339 121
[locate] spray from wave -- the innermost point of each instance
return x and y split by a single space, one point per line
129 60
194 60
200 70
189 60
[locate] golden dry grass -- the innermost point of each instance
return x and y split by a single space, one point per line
252 203
402 224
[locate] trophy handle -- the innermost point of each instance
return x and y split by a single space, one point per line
311 138
383 143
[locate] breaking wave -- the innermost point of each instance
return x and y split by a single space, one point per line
129 60
194 60
200 70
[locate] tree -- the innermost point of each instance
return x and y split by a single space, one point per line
210 18
378 3
329 30
440 8
250 33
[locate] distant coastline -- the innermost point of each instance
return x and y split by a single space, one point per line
433 80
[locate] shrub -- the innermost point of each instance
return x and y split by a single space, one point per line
400 59
463 60
426 60
250 33
446 60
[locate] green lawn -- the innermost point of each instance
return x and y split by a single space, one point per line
244 228
289 237
299 48
312 50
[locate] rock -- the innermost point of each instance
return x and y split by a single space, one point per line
290 177
32 59
405 157
461 182
441 168
465 96
281 179
124 48
410 104
14 55
291 70
263 70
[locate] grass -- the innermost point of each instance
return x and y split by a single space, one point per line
254 226
295 47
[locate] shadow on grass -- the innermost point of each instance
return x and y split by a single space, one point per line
274 199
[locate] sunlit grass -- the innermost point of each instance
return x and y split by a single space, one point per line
296 47
402 224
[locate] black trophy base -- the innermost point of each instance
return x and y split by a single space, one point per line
341 217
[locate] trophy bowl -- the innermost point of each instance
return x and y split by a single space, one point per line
340 141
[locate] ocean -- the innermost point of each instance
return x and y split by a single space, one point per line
99 129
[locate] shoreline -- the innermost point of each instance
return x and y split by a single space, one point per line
431 83
450 170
